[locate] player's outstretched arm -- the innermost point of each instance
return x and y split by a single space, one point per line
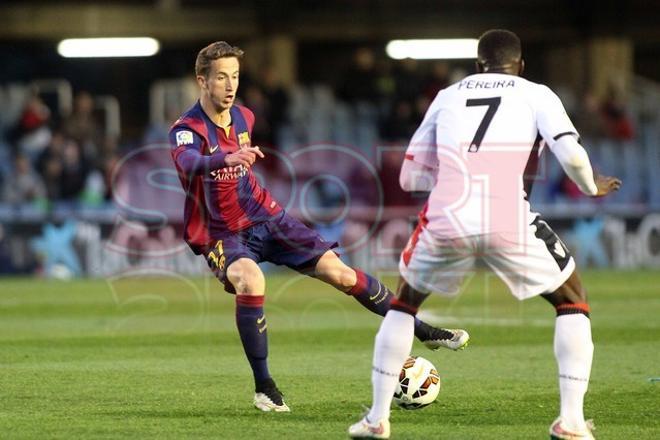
194 163
575 162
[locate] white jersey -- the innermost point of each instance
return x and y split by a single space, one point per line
478 146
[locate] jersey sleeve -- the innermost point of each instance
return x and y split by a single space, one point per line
422 147
552 120
186 146
420 165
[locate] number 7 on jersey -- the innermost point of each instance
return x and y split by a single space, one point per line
493 104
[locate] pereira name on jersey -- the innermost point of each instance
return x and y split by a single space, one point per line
476 84
224 200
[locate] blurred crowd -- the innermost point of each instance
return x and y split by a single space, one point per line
51 158
47 158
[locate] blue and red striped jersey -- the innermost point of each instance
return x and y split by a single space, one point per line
220 200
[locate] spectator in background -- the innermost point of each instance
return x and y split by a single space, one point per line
407 80
588 119
52 176
74 171
360 83
93 194
108 167
32 133
82 126
24 185
618 125
49 165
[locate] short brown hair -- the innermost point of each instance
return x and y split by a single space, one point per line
219 49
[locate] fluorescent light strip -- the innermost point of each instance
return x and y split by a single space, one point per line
108 47
445 49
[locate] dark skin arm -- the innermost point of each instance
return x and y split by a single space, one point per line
606 184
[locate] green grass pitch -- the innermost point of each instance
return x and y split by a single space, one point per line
160 358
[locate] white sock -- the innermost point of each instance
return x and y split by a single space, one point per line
393 344
574 351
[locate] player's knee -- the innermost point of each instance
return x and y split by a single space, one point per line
249 283
246 277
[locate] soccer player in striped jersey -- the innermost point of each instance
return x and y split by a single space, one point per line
477 152
235 223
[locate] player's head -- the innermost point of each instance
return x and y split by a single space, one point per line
499 51
217 69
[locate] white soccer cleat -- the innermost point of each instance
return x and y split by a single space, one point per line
265 403
268 398
558 432
365 429
453 339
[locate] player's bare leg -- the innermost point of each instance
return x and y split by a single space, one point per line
574 351
376 297
246 277
249 283
391 349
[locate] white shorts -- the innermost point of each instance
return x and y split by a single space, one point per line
537 262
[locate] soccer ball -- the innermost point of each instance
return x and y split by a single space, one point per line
419 384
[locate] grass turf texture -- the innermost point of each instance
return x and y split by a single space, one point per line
160 357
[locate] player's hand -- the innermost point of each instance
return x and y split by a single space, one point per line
256 150
244 156
606 185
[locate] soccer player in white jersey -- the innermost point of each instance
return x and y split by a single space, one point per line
477 151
